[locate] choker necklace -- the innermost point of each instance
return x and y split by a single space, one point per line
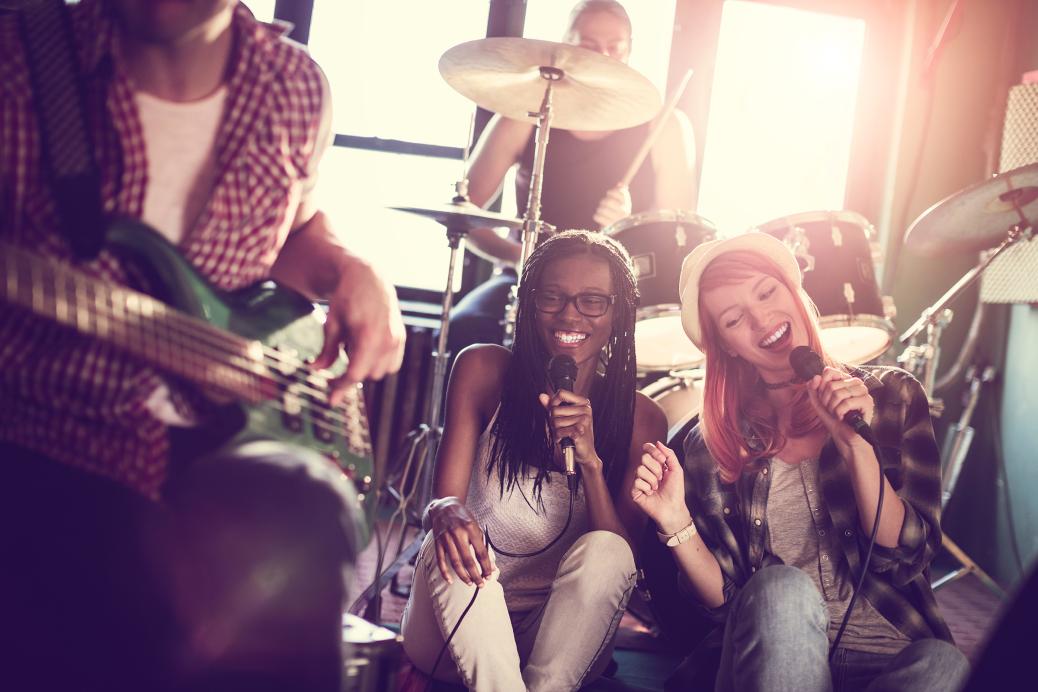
781 385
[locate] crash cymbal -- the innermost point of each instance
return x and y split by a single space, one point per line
463 216
594 92
978 217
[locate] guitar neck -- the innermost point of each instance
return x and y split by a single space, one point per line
136 323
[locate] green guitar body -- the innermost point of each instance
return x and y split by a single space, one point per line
280 319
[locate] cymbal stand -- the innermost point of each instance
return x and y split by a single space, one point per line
415 479
532 224
934 319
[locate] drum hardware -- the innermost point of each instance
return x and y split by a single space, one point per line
577 89
835 254
371 656
419 456
1000 210
953 454
680 394
658 242
506 76
936 317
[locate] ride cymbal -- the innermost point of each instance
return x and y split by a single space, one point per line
590 92
977 217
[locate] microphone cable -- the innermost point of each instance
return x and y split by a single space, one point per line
871 439
572 485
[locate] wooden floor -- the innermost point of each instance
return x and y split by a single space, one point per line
969 608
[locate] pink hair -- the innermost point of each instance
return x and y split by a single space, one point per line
733 399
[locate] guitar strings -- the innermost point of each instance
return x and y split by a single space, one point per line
112 314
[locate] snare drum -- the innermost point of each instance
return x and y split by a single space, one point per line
680 395
658 242
835 257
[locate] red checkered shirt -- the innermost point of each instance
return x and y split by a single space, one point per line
83 402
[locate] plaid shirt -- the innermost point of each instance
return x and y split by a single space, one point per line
83 402
732 518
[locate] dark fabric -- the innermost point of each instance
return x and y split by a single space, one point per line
578 173
732 520
478 318
236 581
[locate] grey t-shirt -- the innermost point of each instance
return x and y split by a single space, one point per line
798 536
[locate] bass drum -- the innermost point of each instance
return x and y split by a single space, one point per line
835 257
658 241
680 395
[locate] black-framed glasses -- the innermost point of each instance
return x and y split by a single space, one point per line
587 304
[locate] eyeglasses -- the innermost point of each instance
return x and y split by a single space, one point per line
587 304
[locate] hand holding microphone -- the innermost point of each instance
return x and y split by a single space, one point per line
837 396
570 415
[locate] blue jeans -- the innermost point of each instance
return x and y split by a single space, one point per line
236 580
776 638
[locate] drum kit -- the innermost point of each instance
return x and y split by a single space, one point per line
559 85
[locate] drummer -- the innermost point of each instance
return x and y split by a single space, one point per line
581 175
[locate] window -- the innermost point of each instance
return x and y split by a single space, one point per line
381 62
781 114
263 10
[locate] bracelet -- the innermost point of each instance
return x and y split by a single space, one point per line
675 539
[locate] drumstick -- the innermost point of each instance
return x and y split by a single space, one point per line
654 132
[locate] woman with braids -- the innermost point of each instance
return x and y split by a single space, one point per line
524 579
774 522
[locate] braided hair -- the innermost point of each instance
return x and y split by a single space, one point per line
522 443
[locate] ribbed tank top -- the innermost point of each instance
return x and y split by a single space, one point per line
578 173
519 523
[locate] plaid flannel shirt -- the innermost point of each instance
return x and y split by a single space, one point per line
82 402
732 518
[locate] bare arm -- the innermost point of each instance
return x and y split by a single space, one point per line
363 315
500 147
473 392
674 161
659 491
650 423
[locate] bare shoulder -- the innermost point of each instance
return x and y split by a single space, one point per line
479 373
650 423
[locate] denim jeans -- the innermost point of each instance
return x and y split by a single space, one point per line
236 580
776 639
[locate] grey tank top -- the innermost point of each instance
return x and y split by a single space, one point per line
519 523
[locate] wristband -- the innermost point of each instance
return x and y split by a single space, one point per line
675 539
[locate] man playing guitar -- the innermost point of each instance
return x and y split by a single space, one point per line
129 562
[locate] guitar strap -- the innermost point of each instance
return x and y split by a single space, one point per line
68 154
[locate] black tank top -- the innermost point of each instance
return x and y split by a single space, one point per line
578 173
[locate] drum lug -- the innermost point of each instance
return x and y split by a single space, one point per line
848 293
797 241
680 237
889 308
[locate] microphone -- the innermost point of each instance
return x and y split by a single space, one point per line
562 370
806 364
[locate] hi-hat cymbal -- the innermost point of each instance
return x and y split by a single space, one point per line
594 92
979 216
463 216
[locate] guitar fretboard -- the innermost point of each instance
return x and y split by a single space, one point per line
136 323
